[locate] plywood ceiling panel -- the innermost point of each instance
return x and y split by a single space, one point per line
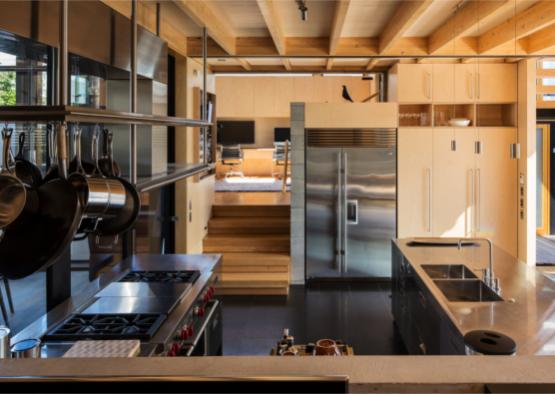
367 18
350 61
320 17
315 62
432 18
243 16
228 61
515 6
264 61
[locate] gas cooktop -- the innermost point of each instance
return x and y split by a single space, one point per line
107 326
161 276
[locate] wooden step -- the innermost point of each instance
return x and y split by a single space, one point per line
252 288
250 210
246 243
249 225
269 259
254 277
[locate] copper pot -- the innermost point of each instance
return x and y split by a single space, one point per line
326 347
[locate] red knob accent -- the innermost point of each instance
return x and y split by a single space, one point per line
200 311
212 291
175 348
171 353
190 331
184 333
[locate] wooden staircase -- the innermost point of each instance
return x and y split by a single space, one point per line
255 242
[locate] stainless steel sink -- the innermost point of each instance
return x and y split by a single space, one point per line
469 290
448 271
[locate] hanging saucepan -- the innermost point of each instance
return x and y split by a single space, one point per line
12 191
26 171
51 156
127 216
100 197
77 164
53 226
107 165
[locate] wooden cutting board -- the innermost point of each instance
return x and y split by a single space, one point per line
102 348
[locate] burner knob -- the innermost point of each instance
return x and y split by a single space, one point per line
184 333
207 296
175 349
212 291
190 331
199 311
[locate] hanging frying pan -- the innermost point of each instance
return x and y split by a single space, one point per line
77 164
53 226
12 191
106 163
26 171
127 215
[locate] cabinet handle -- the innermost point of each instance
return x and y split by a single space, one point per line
469 216
429 176
478 85
478 202
429 85
470 85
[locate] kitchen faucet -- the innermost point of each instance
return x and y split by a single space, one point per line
489 278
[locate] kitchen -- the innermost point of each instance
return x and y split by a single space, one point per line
410 207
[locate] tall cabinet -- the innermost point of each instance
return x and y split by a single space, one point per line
457 181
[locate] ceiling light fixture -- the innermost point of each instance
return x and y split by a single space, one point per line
303 9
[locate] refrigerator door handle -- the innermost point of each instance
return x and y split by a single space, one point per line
344 214
339 235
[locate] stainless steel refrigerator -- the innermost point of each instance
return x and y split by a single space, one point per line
350 202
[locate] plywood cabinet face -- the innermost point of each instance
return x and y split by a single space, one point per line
465 83
414 174
414 83
443 83
496 83
496 188
452 185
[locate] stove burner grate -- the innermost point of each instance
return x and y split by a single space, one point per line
161 276
107 326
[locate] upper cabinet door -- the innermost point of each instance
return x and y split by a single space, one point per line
465 83
496 83
415 83
443 83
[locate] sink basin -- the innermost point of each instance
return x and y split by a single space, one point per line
469 290
448 271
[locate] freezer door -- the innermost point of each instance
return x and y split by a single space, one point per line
370 209
323 208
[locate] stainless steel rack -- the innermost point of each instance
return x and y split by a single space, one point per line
69 114
174 173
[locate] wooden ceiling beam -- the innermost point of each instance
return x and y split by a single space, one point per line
371 64
246 65
405 15
273 23
532 19
202 13
341 8
540 41
465 20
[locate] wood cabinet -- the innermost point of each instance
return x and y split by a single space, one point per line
443 83
496 184
414 201
496 83
464 83
451 196
414 83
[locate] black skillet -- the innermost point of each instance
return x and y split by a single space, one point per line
127 217
26 171
28 248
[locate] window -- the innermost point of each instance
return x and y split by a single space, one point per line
546 83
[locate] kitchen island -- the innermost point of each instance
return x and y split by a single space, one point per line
430 323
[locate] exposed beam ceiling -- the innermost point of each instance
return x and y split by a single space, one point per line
273 22
202 13
371 64
405 15
465 20
341 8
541 40
534 18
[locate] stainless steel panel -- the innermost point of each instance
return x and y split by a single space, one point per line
142 289
371 182
111 305
322 206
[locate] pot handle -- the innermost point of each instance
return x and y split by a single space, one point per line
110 150
94 152
77 143
19 155
62 149
6 138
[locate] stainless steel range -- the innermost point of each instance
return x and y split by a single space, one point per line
170 310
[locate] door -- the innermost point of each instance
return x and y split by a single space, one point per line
415 83
443 83
323 212
370 184
453 179
496 83
496 188
465 86
415 182
542 179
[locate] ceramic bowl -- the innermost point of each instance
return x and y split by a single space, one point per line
459 122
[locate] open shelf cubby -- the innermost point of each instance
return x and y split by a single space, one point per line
445 112
415 115
496 115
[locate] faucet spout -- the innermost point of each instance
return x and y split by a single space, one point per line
489 277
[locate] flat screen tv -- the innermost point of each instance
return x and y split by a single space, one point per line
235 132
282 134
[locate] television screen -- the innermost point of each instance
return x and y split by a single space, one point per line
282 134
236 132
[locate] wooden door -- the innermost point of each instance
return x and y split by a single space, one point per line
444 83
496 187
452 182
414 171
464 81
415 83
496 83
